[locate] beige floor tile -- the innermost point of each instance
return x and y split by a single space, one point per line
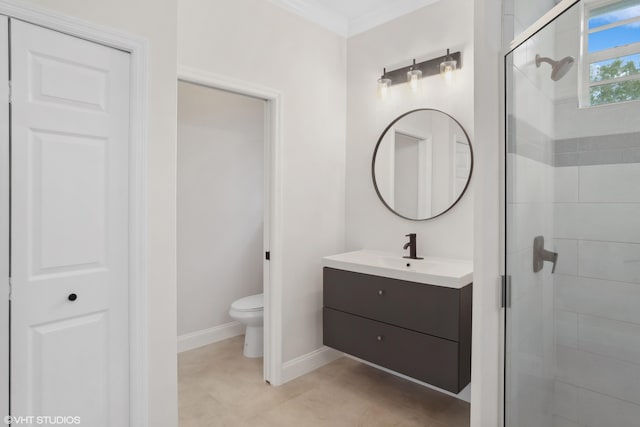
220 387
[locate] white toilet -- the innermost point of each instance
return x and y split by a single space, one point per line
250 311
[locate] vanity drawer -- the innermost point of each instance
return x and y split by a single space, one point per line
420 356
434 310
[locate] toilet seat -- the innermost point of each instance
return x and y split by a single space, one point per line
250 303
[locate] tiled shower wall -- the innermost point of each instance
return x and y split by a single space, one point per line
593 222
596 159
597 287
597 295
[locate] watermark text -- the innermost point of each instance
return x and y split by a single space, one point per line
43 420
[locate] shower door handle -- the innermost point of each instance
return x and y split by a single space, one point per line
540 255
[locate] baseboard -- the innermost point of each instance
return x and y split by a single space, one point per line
308 362
209 336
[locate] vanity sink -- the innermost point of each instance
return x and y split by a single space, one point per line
412 316
450 273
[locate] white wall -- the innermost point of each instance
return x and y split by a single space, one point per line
486 366
423 34
256 41
523 13
220 203
134 18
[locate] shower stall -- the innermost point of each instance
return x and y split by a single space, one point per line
572 218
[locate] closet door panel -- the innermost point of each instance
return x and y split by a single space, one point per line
69 245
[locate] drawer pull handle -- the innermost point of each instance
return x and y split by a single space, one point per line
379 337
72 297
380 292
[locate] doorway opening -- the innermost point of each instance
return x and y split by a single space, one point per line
229 248
220 217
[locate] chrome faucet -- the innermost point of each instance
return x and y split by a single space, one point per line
411 245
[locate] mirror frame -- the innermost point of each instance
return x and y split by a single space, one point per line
375 153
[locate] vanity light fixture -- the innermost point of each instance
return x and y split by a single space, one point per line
412 74
448 66
383 84
413 77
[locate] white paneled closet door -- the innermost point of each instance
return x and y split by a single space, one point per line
69 227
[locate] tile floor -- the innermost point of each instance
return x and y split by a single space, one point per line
220 387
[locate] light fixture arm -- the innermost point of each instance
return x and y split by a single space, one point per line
429 67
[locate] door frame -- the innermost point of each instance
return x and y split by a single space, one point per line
5 179
272 278
138 127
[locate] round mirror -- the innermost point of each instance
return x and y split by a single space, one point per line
422 164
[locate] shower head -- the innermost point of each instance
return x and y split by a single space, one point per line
558 68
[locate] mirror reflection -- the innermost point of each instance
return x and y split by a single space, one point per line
422 164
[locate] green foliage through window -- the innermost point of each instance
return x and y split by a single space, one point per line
628 90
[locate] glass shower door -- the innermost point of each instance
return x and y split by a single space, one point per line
572 232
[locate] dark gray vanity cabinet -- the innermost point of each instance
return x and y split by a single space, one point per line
418 330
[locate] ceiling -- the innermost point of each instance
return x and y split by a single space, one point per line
351 17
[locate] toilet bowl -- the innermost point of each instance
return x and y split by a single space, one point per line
250 311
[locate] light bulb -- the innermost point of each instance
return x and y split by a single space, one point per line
448 73
447 67
413 77
383 87
384 91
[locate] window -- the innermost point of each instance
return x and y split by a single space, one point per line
610 58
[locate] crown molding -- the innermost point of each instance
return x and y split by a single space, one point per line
384 14
313 11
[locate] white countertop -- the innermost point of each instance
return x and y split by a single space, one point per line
446 272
